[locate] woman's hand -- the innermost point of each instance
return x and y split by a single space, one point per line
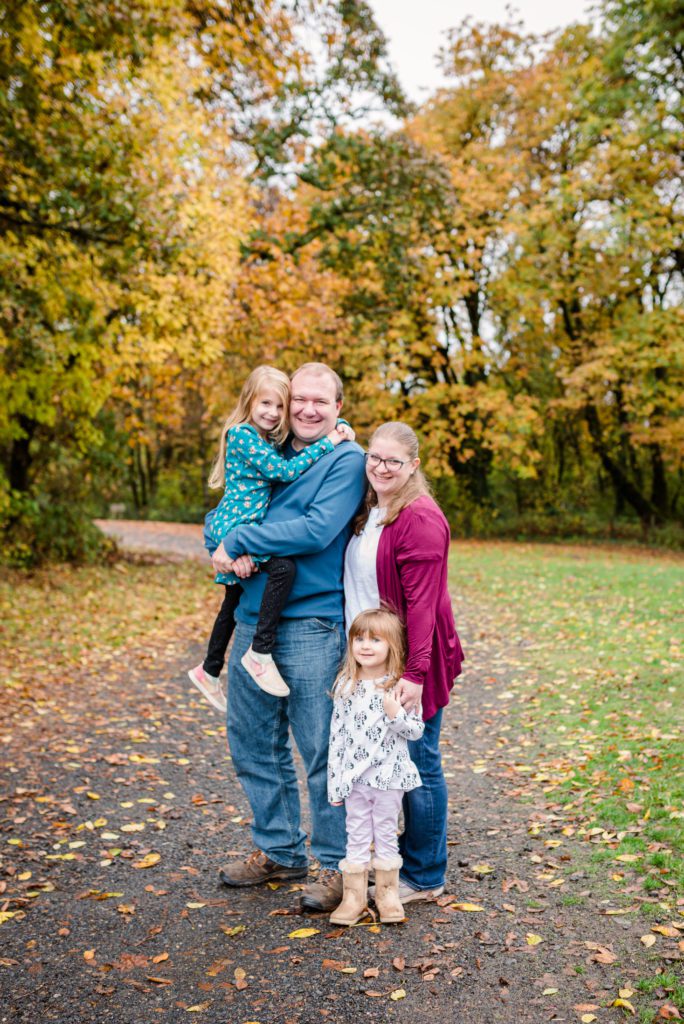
409 694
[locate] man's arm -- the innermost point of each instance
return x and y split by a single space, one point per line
337 500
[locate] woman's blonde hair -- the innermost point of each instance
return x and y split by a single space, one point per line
374 622
415 486
260 379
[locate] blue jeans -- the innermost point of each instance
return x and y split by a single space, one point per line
423 844
308 653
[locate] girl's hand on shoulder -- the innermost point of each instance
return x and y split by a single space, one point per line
390 704
341 433
409 694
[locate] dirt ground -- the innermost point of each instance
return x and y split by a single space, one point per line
111 862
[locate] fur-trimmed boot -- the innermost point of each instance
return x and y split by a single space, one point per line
387 899
354 895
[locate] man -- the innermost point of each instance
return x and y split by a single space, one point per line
308 520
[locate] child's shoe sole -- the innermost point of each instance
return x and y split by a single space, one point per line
215 697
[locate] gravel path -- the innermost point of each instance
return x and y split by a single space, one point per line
119 917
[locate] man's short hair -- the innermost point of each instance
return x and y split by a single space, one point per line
322 370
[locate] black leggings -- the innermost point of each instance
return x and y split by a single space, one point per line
281 574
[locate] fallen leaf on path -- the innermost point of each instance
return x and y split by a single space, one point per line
625 1004
399 993
303 933
236 930
469 908
148 861
533 940
648 940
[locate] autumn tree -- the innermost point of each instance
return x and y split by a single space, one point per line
130 137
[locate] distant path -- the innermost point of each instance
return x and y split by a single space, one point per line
183 540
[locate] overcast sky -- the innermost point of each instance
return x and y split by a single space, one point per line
415 29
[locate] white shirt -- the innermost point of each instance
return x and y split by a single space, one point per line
360 569
367 747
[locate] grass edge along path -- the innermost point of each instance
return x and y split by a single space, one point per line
594 637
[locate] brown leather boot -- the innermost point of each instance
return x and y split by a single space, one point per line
355 888
387 899
325 893
258 868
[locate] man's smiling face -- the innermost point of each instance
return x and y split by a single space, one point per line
313 406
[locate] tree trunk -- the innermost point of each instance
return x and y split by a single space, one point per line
623 486
658 482
20 459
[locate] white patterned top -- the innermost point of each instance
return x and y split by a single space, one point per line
367 747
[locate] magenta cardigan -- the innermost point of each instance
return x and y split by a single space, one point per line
412 579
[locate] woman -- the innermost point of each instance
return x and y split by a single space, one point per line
398 556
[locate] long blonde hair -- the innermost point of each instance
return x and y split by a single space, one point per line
259 379
415 487
376 622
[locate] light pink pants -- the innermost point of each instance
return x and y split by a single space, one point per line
372 815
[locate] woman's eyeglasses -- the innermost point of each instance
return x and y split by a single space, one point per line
391 465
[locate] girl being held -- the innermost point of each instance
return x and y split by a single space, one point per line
248 463
369 767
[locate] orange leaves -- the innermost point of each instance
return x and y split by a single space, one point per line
148 861
602 954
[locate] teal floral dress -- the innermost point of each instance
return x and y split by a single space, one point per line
252 466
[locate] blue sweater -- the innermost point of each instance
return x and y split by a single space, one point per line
308 520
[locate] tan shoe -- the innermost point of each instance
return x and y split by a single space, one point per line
325 893
387 899
354 904
265 674
258 868
409 895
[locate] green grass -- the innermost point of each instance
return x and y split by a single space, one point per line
592 641
667 985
